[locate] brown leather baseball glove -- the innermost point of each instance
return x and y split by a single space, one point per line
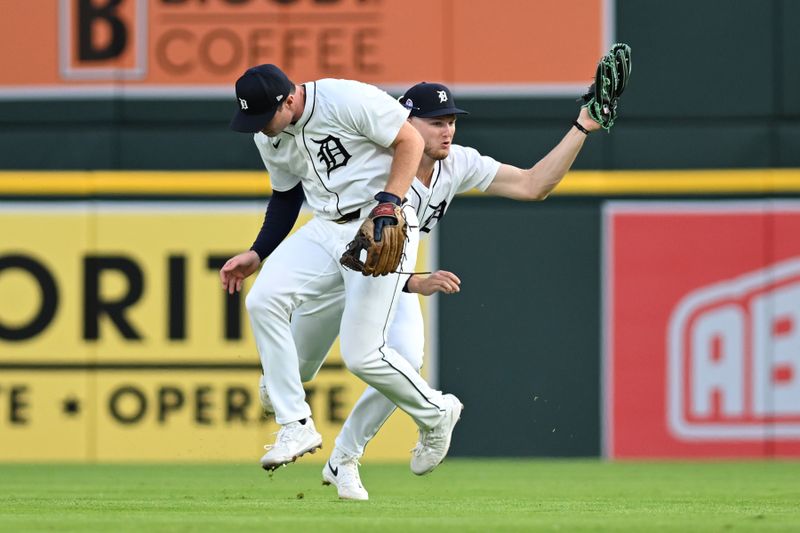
377 248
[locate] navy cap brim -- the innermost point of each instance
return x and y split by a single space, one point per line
244 123
441 112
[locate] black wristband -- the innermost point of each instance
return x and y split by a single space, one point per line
387 197
581 128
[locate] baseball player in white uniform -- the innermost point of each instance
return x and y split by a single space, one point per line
445 170
348 146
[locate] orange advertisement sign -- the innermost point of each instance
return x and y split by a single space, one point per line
199 47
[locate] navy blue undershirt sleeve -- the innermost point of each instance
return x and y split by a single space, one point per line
282 212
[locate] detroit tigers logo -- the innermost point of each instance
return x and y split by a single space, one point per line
332 153
442 96
438 213
243 103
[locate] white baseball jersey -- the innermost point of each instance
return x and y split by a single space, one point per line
338 149
463 169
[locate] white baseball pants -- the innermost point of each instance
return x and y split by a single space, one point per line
306 267
315 326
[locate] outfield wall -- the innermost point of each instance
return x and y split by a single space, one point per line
613 318
631 315
630 328
117 342
109 89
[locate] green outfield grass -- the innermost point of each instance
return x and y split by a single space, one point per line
461 495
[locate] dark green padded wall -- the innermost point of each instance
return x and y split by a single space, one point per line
520 343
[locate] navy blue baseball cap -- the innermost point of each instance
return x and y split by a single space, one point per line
428 100
259 93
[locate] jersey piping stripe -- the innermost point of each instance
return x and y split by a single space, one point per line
415 191
305 144
423 206
383 354
427 205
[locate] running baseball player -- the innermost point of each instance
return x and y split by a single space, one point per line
349 147
444 171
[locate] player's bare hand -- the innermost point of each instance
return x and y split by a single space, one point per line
439 281
236 269
586 121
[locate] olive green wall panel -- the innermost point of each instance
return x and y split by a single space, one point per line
694 144
788 48
698 58
520 343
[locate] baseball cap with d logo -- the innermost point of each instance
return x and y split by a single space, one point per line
259 93
428 100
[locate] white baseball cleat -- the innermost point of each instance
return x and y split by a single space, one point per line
294 440
433 444
342 472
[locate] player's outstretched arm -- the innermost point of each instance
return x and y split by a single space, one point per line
599 110
439 281
538 182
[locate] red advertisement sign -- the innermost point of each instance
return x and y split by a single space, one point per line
702 329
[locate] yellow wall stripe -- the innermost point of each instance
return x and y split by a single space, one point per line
256 184
759 181
135 183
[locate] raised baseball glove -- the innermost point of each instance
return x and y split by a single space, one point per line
611 77
380 241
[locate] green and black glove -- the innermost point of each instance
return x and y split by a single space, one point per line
611 77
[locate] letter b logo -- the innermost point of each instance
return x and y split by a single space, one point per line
103 39
94 19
